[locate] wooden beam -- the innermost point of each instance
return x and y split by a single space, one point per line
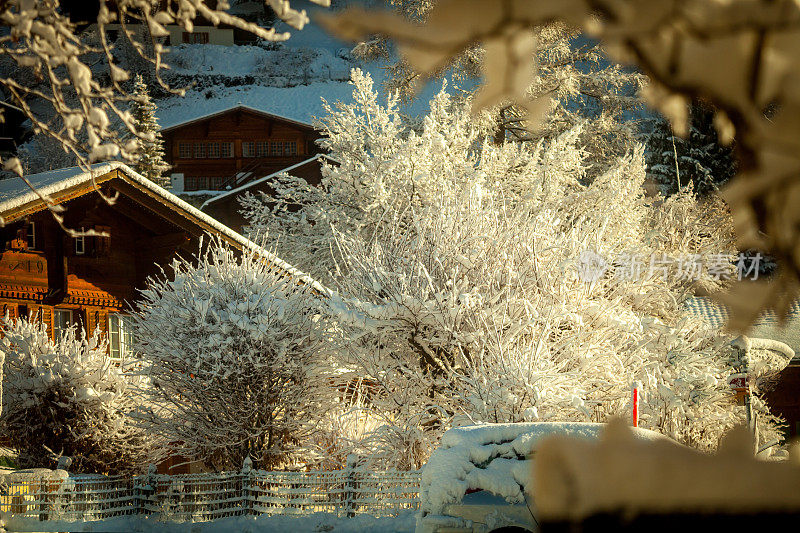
139 216
183 219
158 205
169 240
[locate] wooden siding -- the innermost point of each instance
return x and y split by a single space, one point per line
144 234
236 126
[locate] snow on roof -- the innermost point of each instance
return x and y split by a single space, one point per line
246 186
300 104
15 193
233 108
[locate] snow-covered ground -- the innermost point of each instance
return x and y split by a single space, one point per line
318 522
289 81
300 103
286 65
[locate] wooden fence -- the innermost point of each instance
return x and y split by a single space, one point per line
53 495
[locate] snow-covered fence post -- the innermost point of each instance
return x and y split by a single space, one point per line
44 484
350 486
247 504
145 491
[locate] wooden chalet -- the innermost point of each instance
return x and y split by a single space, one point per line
225 150
89 281
226 208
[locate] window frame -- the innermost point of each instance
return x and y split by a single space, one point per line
185 151
248 149
290 148
30 235
80 239
213 150
226 150
58 329
124 337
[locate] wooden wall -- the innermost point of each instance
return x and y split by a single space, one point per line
104 279
236 126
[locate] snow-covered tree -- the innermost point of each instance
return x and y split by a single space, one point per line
67 398
464 292
151 162
699 159
234 358
575 83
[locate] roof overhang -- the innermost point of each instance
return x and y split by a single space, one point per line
248 109
81 183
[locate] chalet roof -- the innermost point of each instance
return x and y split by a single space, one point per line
242 188
15 194
188 119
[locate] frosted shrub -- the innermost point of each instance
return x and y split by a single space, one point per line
67 398
234 357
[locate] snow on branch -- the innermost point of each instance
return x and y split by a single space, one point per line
740 56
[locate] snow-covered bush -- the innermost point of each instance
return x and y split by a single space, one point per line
234 358
67 398
457 265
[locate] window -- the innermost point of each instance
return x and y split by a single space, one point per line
198 37
199 150
216 182
31 235
290 148
226 149
213 150
262 148
120 340
62 320
201 183
80 243
184 150
248 149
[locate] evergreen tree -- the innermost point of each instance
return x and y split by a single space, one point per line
151 146
701 159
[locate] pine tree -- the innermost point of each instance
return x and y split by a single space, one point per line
151 146
701 159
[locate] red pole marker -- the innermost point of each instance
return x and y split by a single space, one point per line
636 404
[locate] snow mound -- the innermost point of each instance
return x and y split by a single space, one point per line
495 458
